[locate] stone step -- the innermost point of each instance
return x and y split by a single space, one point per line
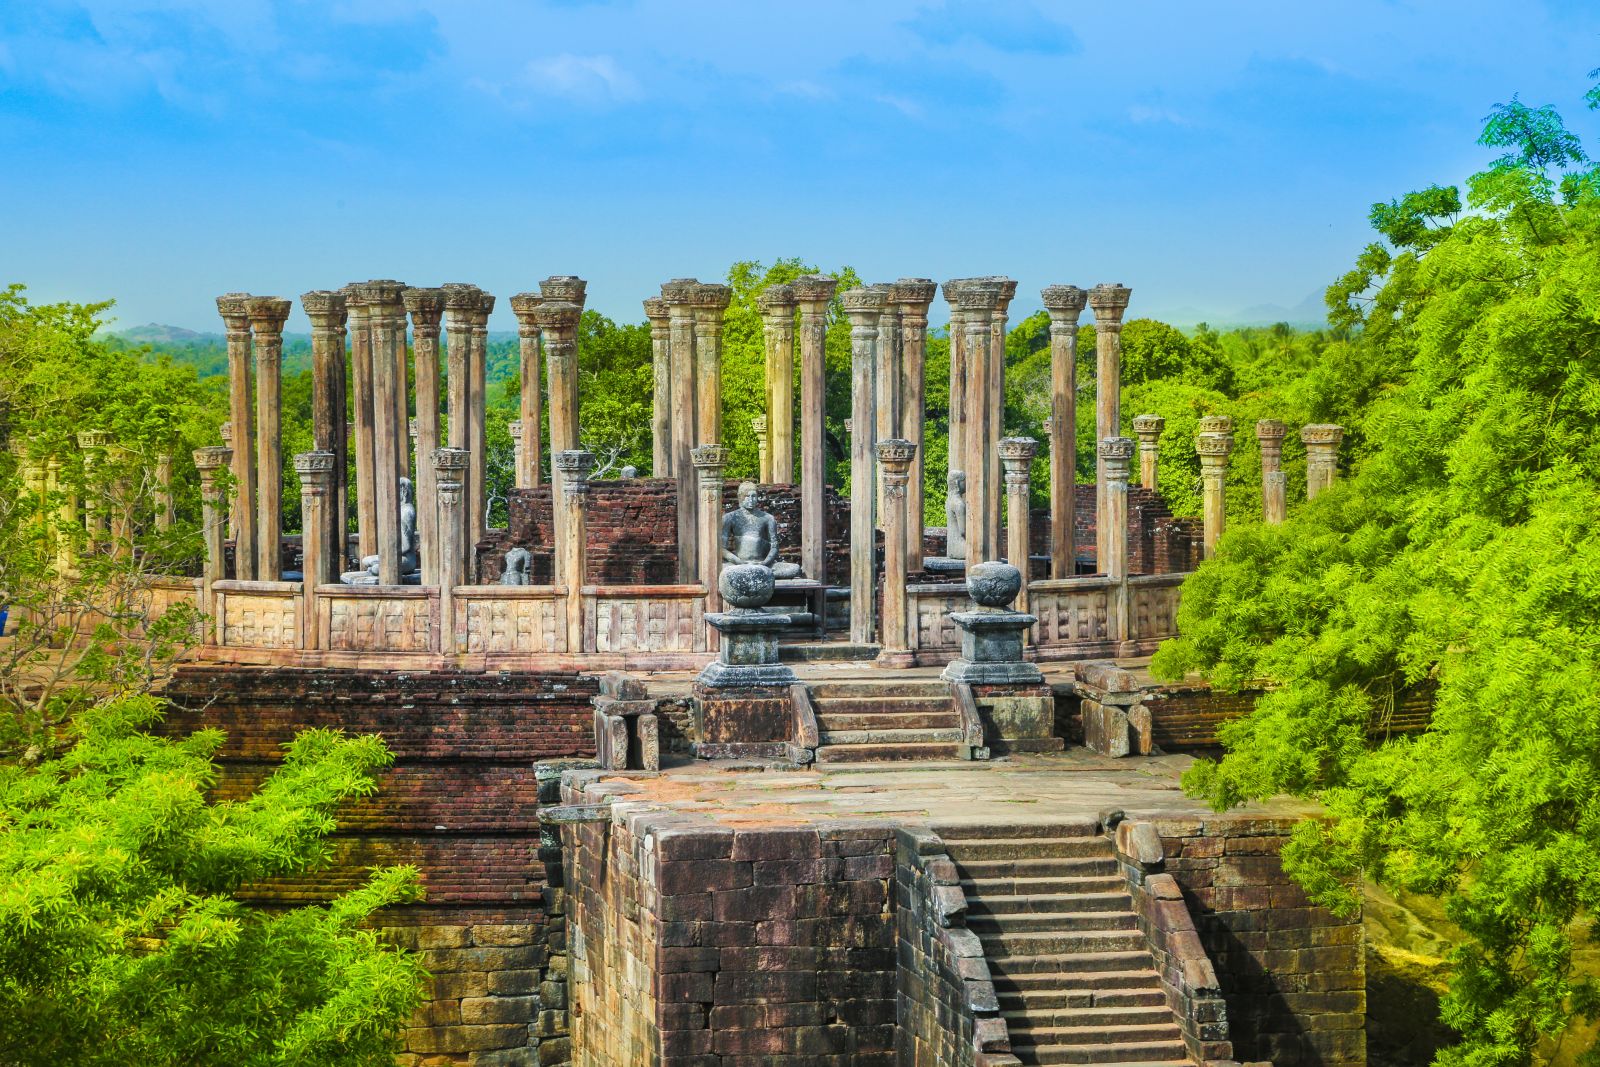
1160 1054
923 688
975 831
1115 970
887 737
1066 885
986 903
1051 996
900 720
1060 942
1019 848
812 651
1036 1017
882 705
888 753
992 871
1165 1035
1025 921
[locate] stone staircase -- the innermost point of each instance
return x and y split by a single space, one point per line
876 721
1075 979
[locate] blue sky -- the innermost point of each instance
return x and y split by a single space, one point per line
1215 157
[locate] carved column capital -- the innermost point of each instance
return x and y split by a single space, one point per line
565 289
94 440
777 302
426 307
235 311
655 309
1115 453
573 466
450 461
709 459
514 428
758 424
558 316
814 288
1148 429
325 308
863 306
1064 303
1322 435
460 297
209 460
679 291
1108 301
268 314
1216 424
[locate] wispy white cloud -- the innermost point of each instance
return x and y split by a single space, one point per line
1145 114
597 79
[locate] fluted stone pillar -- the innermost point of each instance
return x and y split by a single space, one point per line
998 324
960 380
235 311
710 305
385 314
977 301
1214 442
1065 304
1322 456
894 463
813 293
213 524
1274 484
677 295
912 297
1115 456
361 392
655 310
316 521
1016 456
478 414
887 375
758 426
426 307
709 463
777 305
166 503
530 409
327 313
568 293
1147 428
863 306
267 316
450 467
1108 302
572 467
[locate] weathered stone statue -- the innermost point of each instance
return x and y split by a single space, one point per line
410 560
630 471
750 535
518 560
955 516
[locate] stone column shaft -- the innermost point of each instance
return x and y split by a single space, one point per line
166 503
386 324
461 303
1115 455
1322 456
710 305
96 495
449 472
709 463
426 307
894 460
267 316
997 389
213 525
1214 442
1274 486
327 312
887 376
1016 455
758 426
977 301
1065 304
777 320
685 434
478 416
1148 428
235 309
813 292
1108 302
530 456
655 310
316 482
864 306
361 393
572 467
567 294
960 377
912 296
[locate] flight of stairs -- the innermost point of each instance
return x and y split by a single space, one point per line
876 721
1075 980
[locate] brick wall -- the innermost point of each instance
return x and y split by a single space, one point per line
458 802
1186 718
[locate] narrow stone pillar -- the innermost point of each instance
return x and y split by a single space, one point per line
1064 303
426 307
758 426
977 301
327 313
96 496
514 428
449 473
1115 456
213 524
361 393
121 497
863 306
385 321
894 462
225 433
316 514
166 502
709 463
267 316
1147 428
461 302
710 305
1108 302
960 379
478 414
1214 442
655 310
572 467
562 366
777 305
1007 290
235 310
1274 484
912 297
1016 455
887 374
1322 456
64 516
529 424
813 292
677 295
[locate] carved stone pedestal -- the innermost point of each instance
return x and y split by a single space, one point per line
992 636
743 706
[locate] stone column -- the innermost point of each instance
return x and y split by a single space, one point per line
960 379
572 467
977 300
1108 302
96 494
426 307
316 514
166 502
562 367
64 515
997 387
1322 456
655 309
478 414
225 433
1147 428
709 463
529 426
758 426
1115 455
122 498
514 428
267 316
326 310
1016 454
1064 303
677 294
461 303
710 305
912 296
887 375
235 310
894 460
863 306
1214 442
361 392
385 322
449 474
213 523
813 292
777 305
1274 484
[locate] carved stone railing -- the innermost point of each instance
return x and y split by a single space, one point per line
644 618
377 618
521 619
263 615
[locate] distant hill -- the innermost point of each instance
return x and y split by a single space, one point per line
155 333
